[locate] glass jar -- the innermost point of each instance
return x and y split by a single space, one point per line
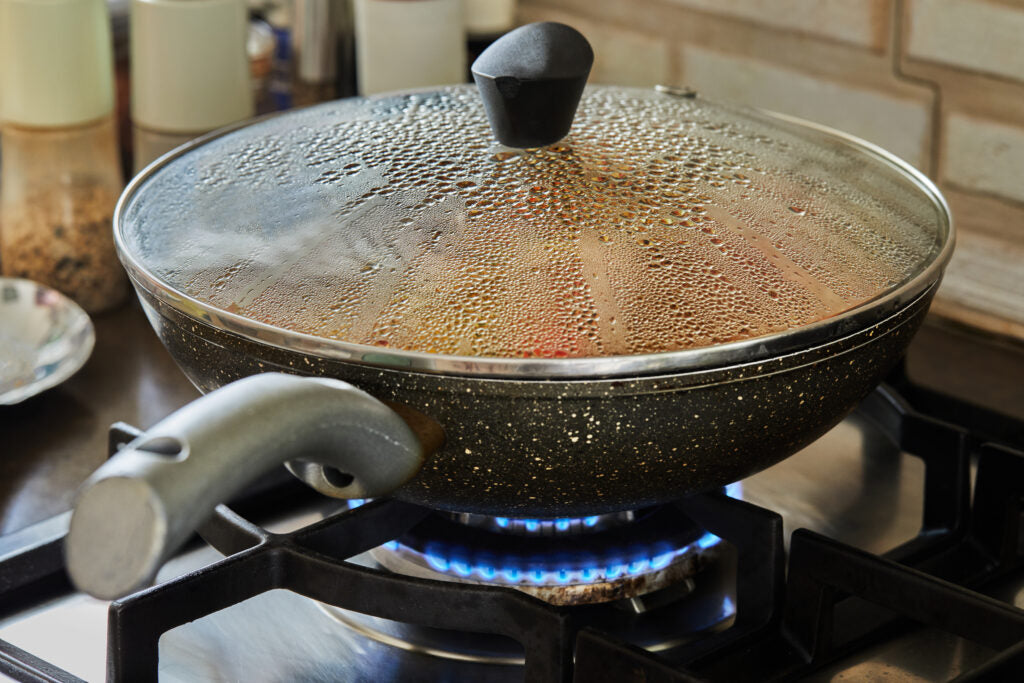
59 189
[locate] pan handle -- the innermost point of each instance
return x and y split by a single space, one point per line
142 504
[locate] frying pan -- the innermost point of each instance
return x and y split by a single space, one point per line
499 436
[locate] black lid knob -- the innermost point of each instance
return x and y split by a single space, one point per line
531 80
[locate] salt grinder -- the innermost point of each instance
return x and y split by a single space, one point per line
61 174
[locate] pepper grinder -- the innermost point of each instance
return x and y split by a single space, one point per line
61 174
190 71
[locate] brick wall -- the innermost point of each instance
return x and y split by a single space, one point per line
938 82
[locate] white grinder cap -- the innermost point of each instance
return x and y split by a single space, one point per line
56 62
190 70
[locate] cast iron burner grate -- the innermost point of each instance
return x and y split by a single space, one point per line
791 619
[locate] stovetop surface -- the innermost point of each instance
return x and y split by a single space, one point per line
853 485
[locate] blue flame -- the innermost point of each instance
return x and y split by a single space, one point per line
437 562
662 561
548 572
597 570
735 490
539 527
707 541
728 608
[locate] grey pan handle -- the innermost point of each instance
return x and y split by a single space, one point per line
141 505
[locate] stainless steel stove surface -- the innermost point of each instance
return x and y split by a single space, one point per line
863 484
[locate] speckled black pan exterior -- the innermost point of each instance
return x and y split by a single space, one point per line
575 447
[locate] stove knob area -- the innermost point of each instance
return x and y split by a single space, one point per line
143 504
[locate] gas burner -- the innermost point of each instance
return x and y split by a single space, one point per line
625 572
618 563
564 561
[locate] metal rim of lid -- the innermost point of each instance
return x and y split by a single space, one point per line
578 368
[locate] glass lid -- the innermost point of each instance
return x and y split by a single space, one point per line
396 227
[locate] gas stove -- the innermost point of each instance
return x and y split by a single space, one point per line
890 547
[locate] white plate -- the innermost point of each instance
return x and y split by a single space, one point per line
44 339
